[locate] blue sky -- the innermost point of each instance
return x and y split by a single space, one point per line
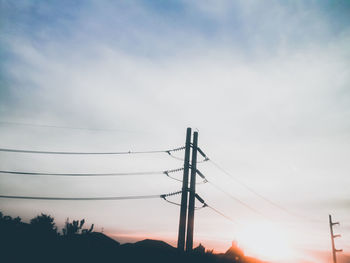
266 83
239 23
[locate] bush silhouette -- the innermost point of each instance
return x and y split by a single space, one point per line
76 227
40 242
44 225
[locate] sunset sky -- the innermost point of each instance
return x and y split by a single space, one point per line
266 84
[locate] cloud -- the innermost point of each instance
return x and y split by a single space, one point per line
145 71
265 83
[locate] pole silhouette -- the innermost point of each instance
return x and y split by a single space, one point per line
191 202
184 194
334 250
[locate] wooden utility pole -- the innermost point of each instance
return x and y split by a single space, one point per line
334 250
191 202
184 194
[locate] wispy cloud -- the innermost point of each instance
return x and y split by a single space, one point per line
270 79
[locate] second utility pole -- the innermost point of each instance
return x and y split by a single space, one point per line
183 209
334 250
191 202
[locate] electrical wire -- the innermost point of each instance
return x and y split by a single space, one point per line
171 202
259 195
82 174
242 203
171 177
230 195
177 204
80 198
176 158
221 214
236 199
200 199
204 181
252 190
89 198
62 127
246 186
89 153
181 159
200 207
93 174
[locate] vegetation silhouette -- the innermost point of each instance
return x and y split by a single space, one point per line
76 227
40 241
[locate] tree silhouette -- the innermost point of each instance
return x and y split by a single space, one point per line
9 220
40 242
44 225
200 249
9 225
76 227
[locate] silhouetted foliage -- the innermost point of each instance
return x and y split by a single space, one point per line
9 220
44 225
200 249
40 242
210 251
76 227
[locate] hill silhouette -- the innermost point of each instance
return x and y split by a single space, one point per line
40 241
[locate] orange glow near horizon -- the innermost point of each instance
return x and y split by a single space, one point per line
265 241
262 240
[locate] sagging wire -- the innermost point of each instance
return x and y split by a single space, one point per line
89 153
181 159
181 169
173 171
274 204
177 204
89 198
230 195
79 198
91 174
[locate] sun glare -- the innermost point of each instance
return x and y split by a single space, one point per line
266 241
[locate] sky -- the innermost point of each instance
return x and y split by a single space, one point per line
266 84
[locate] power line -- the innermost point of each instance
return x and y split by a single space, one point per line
179 180
89 153
181 159
177 204
93 174
252 190
88 198
263 197
240 201
221 214
81 174
80 198
236 199
244 204
200 199
228 194
175 157
62 127
172 194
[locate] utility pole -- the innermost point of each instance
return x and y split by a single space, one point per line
334 250
184 194
191 202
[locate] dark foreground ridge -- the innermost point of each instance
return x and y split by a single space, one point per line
39 241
